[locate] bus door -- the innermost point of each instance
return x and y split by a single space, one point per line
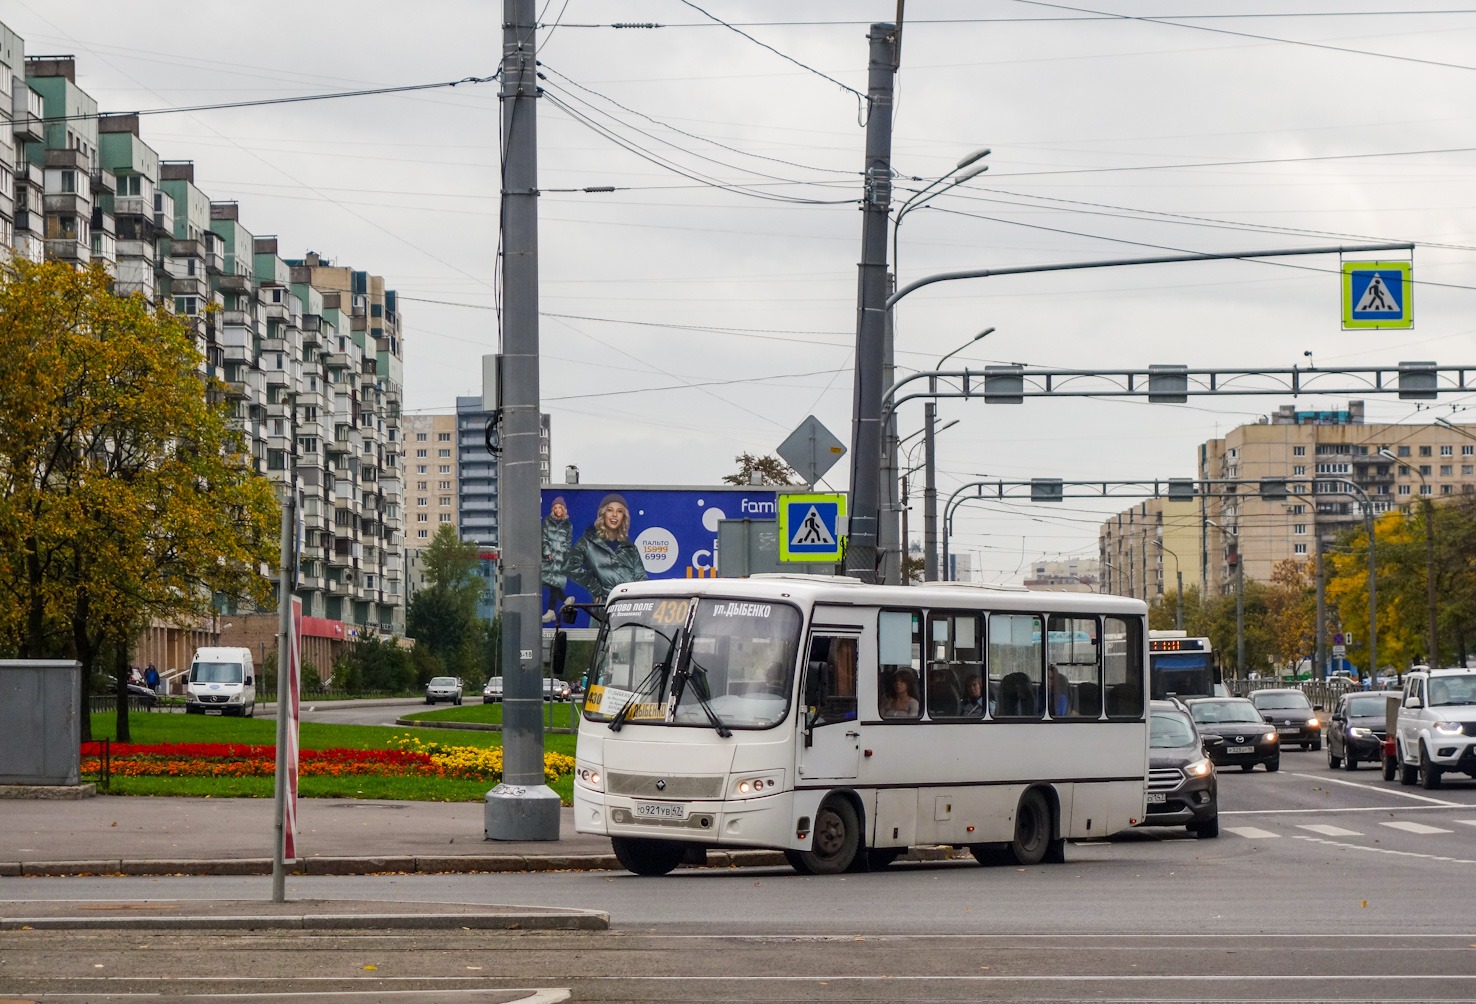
838 651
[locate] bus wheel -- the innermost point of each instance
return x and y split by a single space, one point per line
648 857
836 840
1032 829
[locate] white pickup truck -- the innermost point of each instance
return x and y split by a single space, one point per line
1437 726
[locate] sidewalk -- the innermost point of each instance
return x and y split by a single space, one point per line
141 835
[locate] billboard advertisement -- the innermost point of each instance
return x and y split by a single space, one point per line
596 537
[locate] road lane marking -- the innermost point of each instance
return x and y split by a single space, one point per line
1465 822
1384 850
1329 831
1378 788
1252 832
1408 827
1337 810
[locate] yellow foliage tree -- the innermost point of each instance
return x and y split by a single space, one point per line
1400 635
124 495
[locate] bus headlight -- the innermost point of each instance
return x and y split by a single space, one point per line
750 787
589 777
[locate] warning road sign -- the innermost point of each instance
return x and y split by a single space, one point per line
1377 294
811 527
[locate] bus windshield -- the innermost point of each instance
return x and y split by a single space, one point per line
736 657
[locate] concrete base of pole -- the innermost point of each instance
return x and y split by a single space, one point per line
521 812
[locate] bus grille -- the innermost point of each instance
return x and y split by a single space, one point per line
1165 778
646 785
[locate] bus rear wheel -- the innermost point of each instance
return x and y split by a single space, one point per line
835 841
1032 829
648 857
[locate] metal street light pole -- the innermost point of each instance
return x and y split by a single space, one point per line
1239 597
1179 610
1432 641
930 483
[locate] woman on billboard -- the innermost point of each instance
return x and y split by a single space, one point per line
604 557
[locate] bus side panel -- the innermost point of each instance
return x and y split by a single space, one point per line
974 814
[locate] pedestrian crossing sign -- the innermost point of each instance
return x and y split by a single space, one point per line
1377 294
812 527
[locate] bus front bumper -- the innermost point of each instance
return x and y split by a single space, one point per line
763 821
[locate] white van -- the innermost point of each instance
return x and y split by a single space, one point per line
222 681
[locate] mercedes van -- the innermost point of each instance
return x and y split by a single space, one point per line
222 681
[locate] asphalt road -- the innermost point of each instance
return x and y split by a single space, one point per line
1324 885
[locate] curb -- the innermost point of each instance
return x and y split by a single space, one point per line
53 792
421 723
425 864
569 920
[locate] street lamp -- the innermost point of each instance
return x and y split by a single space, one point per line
930 483
917 201
1432 644
1179 611
1239 597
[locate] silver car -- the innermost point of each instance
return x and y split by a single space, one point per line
443 688
493 690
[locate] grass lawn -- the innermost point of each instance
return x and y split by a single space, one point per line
554 716
170 728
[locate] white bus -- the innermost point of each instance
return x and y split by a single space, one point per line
843 723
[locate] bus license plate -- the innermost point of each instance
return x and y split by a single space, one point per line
1157 797
1241 749
660 810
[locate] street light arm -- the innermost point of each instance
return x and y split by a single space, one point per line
984 273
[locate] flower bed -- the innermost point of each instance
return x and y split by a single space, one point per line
409 758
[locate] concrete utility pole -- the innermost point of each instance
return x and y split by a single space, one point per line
871 310
930 495
1433 656
1239 611
522 807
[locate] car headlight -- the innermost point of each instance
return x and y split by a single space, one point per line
1198 768
753 786
1269 737
1359 732
1448 728
1314 723
589 777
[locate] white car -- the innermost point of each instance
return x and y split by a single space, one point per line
1436 732
493 690
443 688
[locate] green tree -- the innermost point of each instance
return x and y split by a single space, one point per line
124 494
442 617
770 469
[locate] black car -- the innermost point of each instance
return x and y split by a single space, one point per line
1356 732
1235 734
1293 716
1181 781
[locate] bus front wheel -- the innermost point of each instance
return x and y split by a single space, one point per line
648 857
1032 829
835 842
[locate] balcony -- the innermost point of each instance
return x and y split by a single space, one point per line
234 284
27 111
104 182
134 205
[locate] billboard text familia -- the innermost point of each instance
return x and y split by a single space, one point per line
595 538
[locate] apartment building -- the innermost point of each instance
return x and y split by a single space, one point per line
309 351
1292 445
1066 575
1143 550
431 497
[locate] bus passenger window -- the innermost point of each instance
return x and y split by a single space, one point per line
955 686
830 680
1016 667
1122 665
1073 673
899 651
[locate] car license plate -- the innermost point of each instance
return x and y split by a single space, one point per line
1288 732
1241 749
1157 797
660 810
213 711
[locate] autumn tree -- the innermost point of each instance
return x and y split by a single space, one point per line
124 494
442 616
1291 612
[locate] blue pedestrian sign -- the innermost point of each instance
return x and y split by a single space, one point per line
811 527
1377 294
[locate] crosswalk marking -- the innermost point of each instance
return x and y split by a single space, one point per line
1465 822
1328 830
1400 824
1252 832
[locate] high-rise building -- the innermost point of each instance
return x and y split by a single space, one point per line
1075 575
431 499
476 470
1292 445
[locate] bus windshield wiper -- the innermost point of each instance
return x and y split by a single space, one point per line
663 668
699 687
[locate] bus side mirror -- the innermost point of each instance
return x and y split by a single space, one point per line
558 654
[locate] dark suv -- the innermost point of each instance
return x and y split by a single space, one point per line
1181 781
1235 734
1356 731
1292 715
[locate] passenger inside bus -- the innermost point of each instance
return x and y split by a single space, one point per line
1017 697
943 696
899 698
830 680
973 702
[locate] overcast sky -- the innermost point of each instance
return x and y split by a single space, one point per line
1092 121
